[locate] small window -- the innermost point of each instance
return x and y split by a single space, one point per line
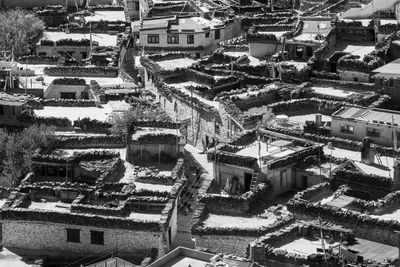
217 34
347 129
355 79
190 39
207 34
391 82
1 110
372 132
153 38
173 39
175 106
165 103
96 237
73 235
136 6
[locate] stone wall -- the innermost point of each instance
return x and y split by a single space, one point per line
229 244
53 237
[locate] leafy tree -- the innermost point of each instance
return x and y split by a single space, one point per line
126 122
18 149
18 28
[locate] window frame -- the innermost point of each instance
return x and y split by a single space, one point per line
373 132
150 38
172 38
73 235
207 34
190 39
347 128
96 237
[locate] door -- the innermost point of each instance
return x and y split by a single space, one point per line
247 181
304 181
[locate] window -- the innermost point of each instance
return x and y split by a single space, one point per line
217 34
355 79
176 107
347 129
153 38
73 235
1 110
165 103
207 34
136 6
190 39
173 38
96 237
372 132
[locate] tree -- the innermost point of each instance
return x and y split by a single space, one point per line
19 28
127 122
18 151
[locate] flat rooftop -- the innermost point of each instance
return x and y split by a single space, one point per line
150 130
52 206
269 150
13 99
173 64
381 116
391 69
106 15
101 38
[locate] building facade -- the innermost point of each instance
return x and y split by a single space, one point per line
357 122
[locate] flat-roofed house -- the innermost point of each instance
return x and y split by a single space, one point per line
387 79
12 107
179 33
358 122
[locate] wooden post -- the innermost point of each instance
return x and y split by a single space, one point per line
159 153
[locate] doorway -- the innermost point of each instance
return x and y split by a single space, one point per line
66 95
247 181
304 181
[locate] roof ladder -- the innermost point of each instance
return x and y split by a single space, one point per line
254 180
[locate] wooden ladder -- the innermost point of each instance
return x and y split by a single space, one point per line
254 180
378 158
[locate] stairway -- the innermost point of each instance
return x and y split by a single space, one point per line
254 180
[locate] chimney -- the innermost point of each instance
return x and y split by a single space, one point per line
396 175
367 153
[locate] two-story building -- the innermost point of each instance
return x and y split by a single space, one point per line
188 33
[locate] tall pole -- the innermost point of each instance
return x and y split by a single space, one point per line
191 95
26 76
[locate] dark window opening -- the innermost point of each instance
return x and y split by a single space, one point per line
96 237
217 34
190 39
73 235
207 34
372 132
1 110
